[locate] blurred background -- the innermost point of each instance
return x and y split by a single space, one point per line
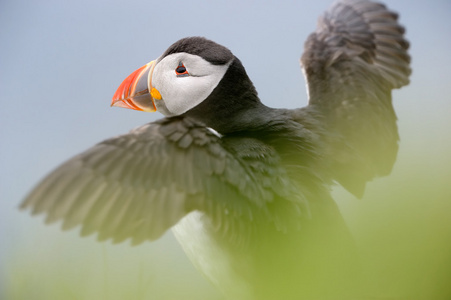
60 64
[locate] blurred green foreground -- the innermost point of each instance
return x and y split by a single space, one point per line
402 227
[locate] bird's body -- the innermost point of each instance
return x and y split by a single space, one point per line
247 184
271 252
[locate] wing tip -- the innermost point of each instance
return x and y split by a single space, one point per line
356 29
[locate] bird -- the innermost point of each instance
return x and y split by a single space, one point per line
246 187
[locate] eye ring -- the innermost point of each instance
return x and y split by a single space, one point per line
181 70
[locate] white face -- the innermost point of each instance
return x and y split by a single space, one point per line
180 93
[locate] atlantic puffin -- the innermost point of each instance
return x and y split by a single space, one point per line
246 187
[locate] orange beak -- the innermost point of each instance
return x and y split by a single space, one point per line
134 90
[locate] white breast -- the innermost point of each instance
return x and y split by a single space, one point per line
209 257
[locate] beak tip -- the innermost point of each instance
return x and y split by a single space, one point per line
133 91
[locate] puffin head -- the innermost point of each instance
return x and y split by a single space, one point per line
194 76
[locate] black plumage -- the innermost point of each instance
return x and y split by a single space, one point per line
262 183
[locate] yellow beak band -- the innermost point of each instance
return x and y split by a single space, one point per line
155 94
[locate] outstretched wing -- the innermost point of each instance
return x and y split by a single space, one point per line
140 184
353 60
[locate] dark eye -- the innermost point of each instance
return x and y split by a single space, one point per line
181 70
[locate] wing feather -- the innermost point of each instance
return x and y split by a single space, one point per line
140 184
353 60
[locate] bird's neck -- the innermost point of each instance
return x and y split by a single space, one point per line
233 105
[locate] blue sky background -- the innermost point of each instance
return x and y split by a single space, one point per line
61 62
